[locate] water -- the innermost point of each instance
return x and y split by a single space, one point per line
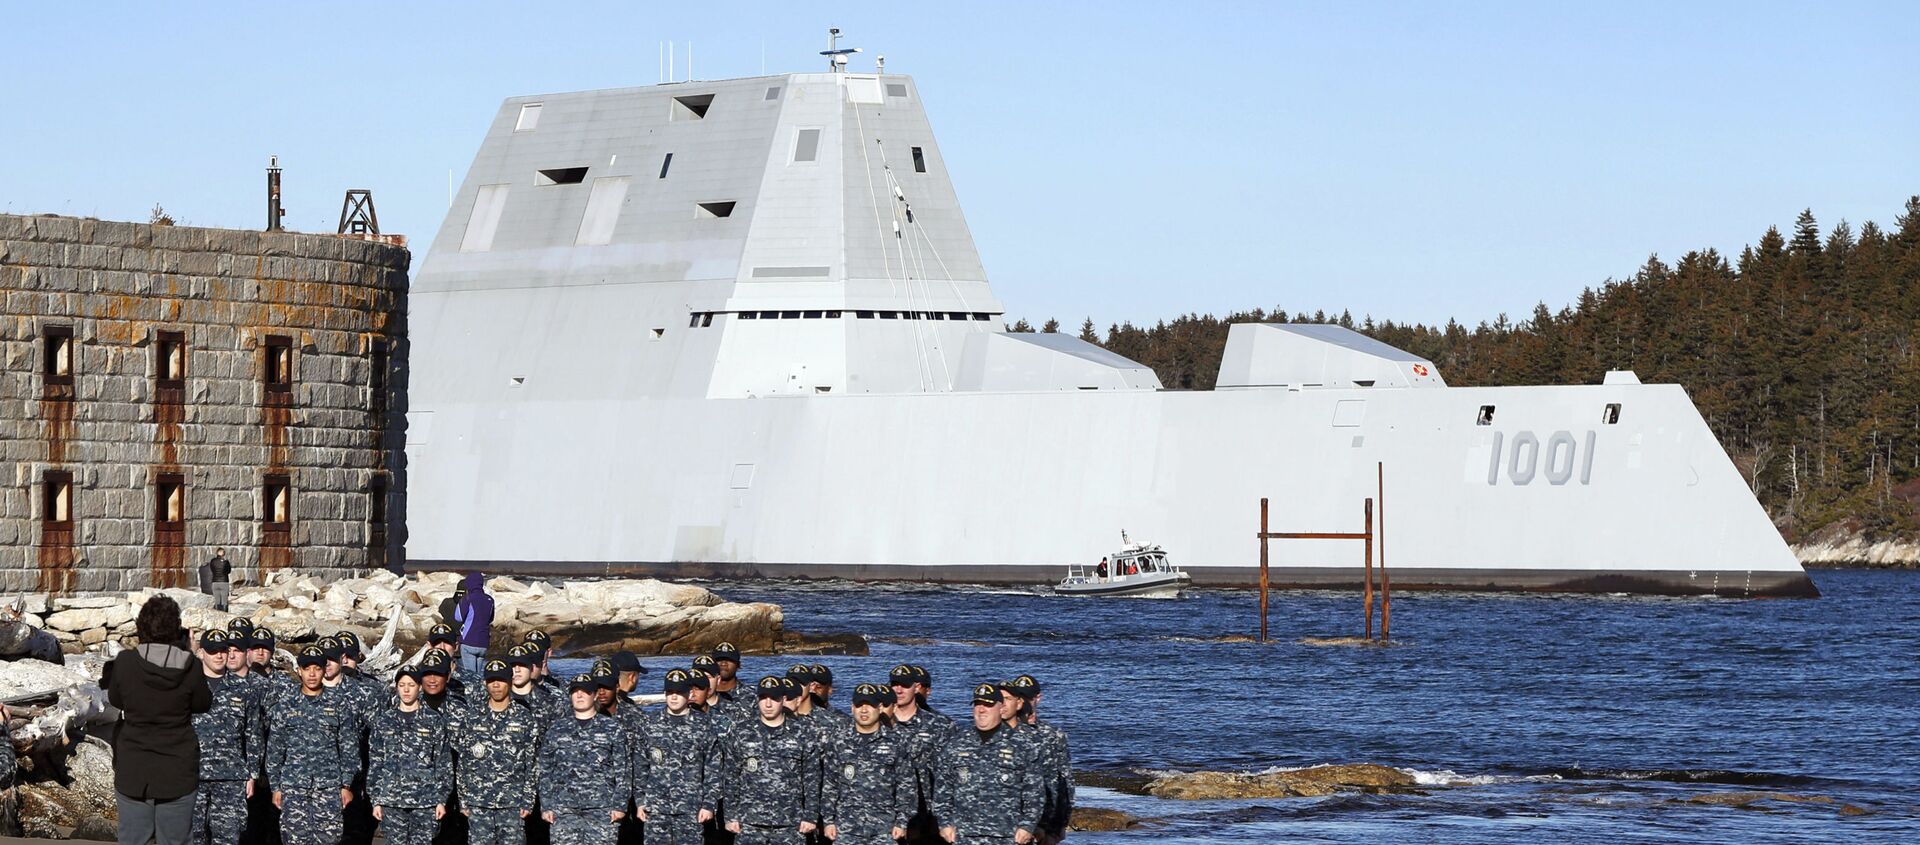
1537 718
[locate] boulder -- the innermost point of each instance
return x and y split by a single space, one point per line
25 639
1316 780
86 602
551 614
93 636
76 619
1101 819
30 676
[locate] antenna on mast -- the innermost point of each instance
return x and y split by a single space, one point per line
837 57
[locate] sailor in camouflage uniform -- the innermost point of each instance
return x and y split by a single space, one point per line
675 781
525 686
263 818
226 772
497 741
311 756
726 698
412 767
608 700
357 820
1056 761
988 788
922 734
769 779
868 794
584 773
542 648
435 667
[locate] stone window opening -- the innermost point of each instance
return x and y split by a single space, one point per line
380 362
170 501
377 502
57 360
277 364
276 501
170 360
56 509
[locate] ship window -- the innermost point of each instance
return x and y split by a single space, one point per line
276 500
833 315
706 320
773 93
936 315
484 219
1363 382
822 389
562 176
956 315
789 315
919 160
806 145
57 362
714 209
664 164
692 106
1486 415
769 315
170 500
749 315
1611 416
603 210
980 315
813 315
529 118
889 315
170 360
659 333
864 315
56 488
276 364
896 89
693 321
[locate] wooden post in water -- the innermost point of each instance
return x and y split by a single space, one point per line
1263 569
1386 592
1366 592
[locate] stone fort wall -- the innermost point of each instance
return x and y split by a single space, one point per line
169 390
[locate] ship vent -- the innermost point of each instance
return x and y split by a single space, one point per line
692 106
562 176
715 209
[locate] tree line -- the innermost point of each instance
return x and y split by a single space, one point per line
1800 353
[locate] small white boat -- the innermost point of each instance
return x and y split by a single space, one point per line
1139 570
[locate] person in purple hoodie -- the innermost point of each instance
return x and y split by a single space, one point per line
474 615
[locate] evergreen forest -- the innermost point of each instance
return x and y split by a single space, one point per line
1800 352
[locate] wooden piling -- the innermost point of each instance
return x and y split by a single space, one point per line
1263 569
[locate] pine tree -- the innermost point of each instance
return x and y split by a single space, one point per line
1087 333
1052 326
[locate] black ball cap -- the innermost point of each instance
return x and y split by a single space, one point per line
262 638
349 642
241 625
214 640
872 695
988 693
312 655
821 674
582 683
540 640
522 655
436 663
790 688
497 670
1024 686
677 682
442 633
411 670
771 686
727 651
706 665
626 661
902 675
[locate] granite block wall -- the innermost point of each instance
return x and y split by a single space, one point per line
168 390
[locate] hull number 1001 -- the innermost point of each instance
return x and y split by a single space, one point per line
1525 458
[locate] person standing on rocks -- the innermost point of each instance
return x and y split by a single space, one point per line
411 772
988 789
474 615
156 754
497 742
311 756
215 579
585 775
226 766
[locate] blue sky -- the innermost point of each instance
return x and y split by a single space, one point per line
1118 160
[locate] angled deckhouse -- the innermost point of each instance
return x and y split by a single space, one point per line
741 328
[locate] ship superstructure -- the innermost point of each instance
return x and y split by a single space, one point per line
740 328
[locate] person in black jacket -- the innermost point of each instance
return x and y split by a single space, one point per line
156 755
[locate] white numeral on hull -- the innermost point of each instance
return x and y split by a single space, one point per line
1523 462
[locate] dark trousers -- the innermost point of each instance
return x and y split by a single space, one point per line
162 822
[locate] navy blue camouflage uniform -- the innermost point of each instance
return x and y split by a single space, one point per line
673 776
311 756
769 780
585 776
412 771
868 788
988 786
226 762
496 751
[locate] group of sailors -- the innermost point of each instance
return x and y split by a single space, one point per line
513 753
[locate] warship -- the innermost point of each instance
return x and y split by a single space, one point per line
739 329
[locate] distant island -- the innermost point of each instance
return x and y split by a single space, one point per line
1803 354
